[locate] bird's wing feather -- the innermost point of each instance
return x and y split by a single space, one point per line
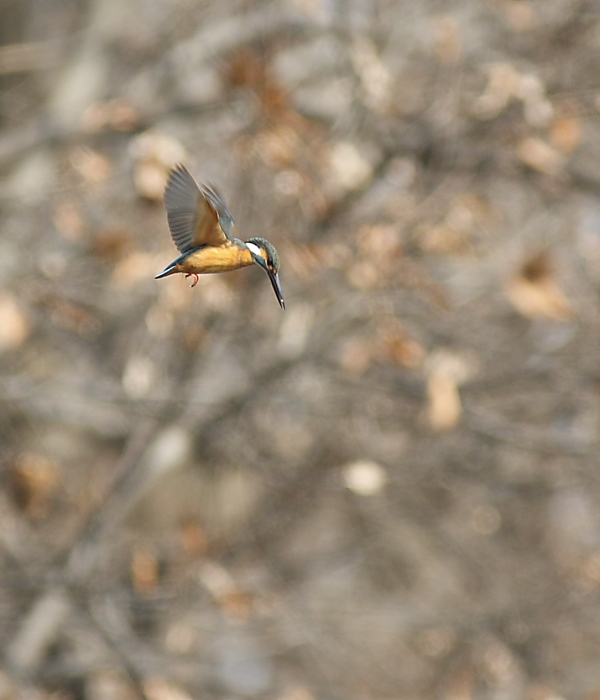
194 213
217 203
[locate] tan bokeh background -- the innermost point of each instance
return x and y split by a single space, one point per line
389 490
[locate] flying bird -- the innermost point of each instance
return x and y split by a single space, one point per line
201 226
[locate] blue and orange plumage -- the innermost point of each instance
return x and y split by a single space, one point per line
202 229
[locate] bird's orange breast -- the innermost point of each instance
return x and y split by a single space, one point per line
221 259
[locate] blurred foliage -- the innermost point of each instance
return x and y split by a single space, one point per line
388 490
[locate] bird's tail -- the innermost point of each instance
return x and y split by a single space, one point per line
170 270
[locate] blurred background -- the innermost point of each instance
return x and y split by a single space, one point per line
389 490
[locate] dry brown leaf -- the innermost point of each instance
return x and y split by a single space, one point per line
505 84
247 68
543 299
233 602
14 326
535 293
502 86
36 479
144 571
236 606
540 155
395 345
406 352
566 133
446 370
454 235
444 407
441 239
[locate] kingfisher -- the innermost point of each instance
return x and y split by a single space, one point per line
201 227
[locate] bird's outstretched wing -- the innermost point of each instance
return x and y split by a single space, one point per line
197 215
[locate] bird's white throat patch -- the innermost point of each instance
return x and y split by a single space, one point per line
254 249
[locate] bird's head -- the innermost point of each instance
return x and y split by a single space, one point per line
265 255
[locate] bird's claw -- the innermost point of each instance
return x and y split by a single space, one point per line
195 276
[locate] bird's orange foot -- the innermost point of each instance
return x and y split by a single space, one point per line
195 276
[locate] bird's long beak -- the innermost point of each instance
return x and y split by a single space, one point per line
274 277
